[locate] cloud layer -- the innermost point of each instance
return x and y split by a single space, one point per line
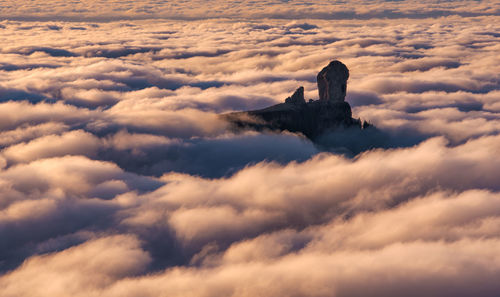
118 178
105 10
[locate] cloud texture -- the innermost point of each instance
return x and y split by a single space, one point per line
117 177
198 9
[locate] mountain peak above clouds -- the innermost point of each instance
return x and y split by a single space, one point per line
312 118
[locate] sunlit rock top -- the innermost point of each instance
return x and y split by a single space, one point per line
332 81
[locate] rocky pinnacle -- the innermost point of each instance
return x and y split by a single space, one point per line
332 82
297 97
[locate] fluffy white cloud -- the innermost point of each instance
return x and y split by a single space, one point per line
118 177
99 262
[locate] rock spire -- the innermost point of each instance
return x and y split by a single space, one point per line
332 82
297 97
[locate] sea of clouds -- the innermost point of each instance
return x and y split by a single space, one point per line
118 178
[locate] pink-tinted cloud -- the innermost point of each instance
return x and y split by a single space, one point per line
118 177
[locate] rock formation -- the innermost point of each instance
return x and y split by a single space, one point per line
332 82
313 118
297 97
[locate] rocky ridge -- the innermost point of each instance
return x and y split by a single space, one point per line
312 118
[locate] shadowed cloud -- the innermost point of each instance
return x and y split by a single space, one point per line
118 177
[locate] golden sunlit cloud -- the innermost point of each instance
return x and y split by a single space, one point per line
119 177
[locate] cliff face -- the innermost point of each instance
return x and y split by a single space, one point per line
313 118
332 82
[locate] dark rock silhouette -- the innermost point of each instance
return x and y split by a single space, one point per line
313 118
332 82
297 97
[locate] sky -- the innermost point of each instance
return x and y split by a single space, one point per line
119 178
